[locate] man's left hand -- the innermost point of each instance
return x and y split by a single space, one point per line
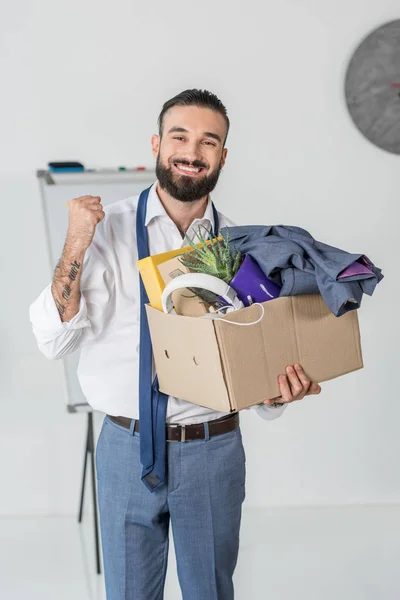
294 386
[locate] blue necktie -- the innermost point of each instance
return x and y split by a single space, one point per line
152 402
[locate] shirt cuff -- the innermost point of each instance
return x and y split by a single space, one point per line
45 317
269 413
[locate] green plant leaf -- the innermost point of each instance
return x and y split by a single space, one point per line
196 248
205 247
214 258
237 262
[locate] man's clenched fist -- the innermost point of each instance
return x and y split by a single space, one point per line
84 214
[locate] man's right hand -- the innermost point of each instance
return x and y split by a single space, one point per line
84 215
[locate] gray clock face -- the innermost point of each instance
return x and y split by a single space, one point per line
372 87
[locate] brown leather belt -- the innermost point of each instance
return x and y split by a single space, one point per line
187 433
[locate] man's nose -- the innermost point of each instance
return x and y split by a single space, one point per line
192 151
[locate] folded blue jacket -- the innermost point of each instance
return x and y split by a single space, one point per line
298 263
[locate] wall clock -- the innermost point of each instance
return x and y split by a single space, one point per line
372 87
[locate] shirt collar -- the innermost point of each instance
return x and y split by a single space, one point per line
156 209
154 206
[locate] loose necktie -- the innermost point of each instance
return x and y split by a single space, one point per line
152 402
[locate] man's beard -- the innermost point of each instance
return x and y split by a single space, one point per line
186 188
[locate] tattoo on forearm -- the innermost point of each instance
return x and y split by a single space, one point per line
60 307
66 292
74 270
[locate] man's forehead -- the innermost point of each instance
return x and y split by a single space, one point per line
194 118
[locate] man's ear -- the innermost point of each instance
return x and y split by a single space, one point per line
155 144
223 158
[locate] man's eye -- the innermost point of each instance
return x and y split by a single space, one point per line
209 143
178 137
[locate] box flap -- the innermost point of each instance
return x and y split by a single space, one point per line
187 359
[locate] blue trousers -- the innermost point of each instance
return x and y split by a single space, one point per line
202 499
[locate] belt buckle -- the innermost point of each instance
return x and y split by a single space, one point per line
183 433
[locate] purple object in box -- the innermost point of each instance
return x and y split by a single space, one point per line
251 281
359 267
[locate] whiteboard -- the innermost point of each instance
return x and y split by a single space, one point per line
56 190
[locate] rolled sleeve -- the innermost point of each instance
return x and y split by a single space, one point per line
270 413
54 337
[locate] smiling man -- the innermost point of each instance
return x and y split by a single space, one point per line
159 459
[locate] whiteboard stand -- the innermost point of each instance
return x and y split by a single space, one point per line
56 189
90 450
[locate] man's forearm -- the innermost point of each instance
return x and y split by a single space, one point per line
66 282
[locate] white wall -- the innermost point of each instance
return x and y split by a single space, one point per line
86 81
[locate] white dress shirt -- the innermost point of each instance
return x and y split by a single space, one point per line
106 328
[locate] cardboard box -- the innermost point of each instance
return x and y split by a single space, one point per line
185 303
228 367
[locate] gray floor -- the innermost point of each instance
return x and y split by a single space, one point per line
347 553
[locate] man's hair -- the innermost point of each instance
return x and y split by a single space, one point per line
201 98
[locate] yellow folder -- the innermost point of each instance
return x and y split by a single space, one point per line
152 280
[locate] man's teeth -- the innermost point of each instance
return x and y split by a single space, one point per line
190 169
